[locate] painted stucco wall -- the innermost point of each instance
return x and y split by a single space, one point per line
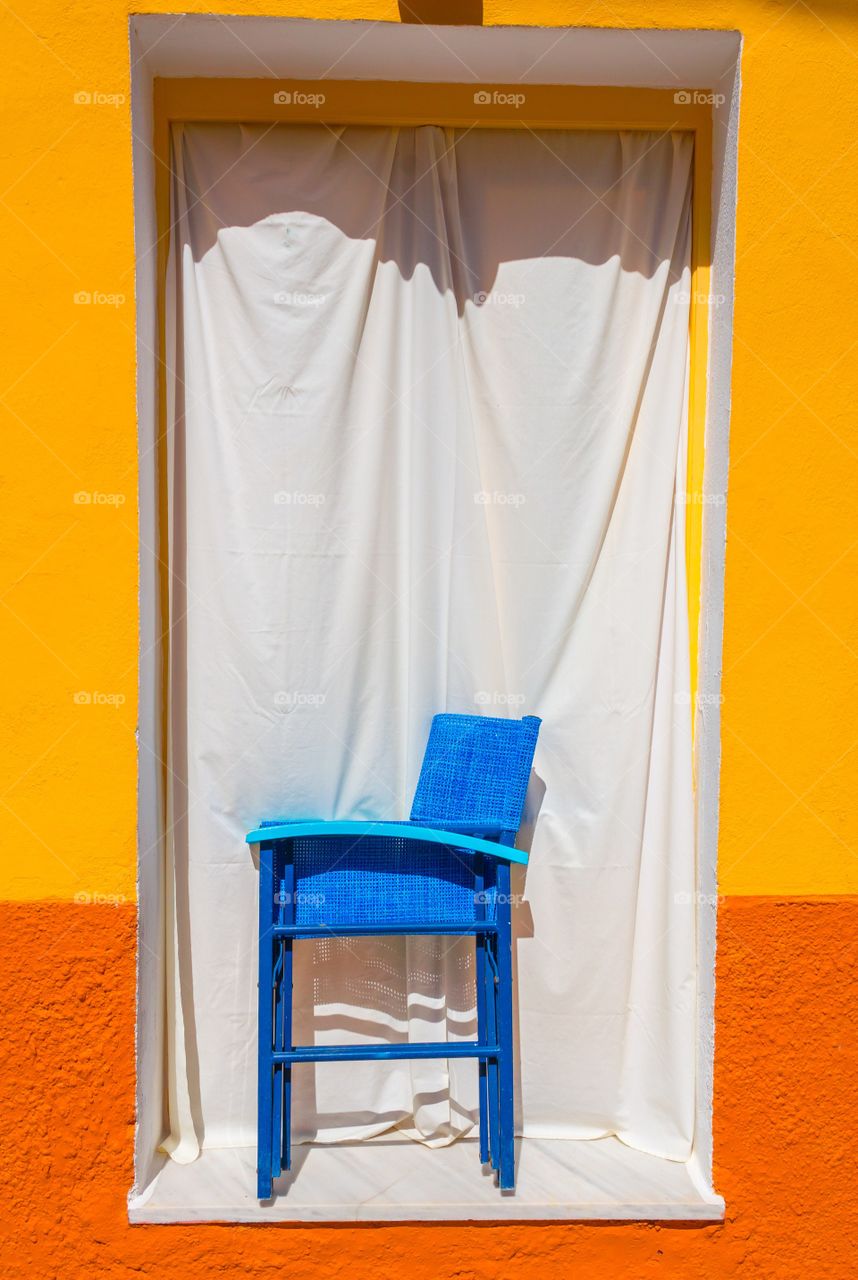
784 1129
786 1056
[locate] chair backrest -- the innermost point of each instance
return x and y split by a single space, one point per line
475 770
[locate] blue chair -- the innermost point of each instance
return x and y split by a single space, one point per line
446 871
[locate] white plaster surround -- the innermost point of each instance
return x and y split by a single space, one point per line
557 1180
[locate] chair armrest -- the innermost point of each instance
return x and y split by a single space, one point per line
391 830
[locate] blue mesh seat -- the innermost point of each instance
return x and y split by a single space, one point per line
384 880
445 871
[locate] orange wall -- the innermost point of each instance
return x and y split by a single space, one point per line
785 1057
786 1162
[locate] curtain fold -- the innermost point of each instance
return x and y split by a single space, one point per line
426 451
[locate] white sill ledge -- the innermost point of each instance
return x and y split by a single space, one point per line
402 1181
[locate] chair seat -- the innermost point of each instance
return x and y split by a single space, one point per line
380 880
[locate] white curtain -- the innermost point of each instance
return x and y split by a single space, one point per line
426 452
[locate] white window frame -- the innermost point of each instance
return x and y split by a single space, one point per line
622 1184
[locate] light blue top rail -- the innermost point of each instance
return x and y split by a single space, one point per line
394 830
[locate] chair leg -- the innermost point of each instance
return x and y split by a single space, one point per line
286 1131
482 1037
265 1081
492 1076
277 1093
505 1038
287 915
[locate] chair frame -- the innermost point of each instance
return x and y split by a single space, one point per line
493 1047
472 858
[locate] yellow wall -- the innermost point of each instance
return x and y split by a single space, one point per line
68 570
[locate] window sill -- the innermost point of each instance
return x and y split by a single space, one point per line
401 1181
